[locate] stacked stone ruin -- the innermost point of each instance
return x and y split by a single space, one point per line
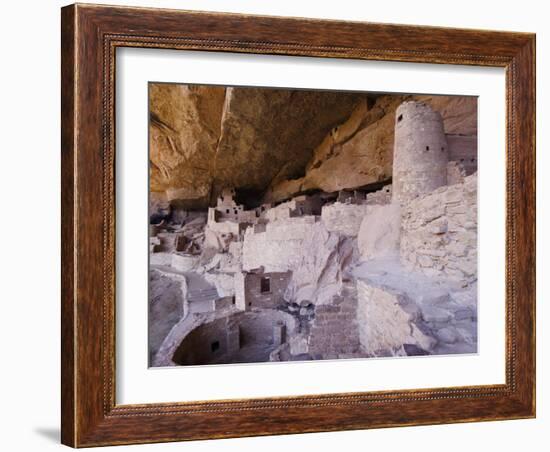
384 272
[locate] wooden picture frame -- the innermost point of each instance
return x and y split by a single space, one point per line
90 36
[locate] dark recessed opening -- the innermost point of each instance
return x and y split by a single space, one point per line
399 118
461 160
473 160
226 210
265 285
233 300
427 148
442 149
214 346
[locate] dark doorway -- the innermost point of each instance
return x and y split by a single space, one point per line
214 346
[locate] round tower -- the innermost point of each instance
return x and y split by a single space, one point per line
420 154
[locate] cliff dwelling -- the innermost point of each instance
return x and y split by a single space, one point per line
295 225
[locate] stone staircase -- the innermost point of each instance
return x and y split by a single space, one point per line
208 294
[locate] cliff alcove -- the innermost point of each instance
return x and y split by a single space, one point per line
305 224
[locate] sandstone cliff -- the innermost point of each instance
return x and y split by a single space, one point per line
289 141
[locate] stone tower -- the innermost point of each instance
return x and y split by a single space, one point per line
420 153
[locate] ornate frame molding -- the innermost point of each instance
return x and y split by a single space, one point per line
90 36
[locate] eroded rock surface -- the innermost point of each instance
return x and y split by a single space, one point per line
290 141
185 126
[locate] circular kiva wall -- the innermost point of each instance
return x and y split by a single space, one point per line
420 153
240 338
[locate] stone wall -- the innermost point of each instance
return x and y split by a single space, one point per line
334 333
224 283
439 231
240 298
162 259
219 235
316 257
209 342
388 322
220 339
235 213
455 173
278 249
258 326
343 218
296 207
382 196
184 262
263 297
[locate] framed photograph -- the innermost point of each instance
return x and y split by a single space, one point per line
281 225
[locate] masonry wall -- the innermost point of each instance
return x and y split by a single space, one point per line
439 231
279 248
296 207
258 327
237 214
343 218
255 298
334 332
199 346
382 196
420 152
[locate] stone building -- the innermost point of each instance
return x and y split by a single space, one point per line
351 197
298 206
227 209
420 151
382 196
259 289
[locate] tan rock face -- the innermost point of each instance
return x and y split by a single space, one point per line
364 159
272 133
459 113
277 141
185 126
359 152
204 138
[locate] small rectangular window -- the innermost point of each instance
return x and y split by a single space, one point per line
214 346
265 285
